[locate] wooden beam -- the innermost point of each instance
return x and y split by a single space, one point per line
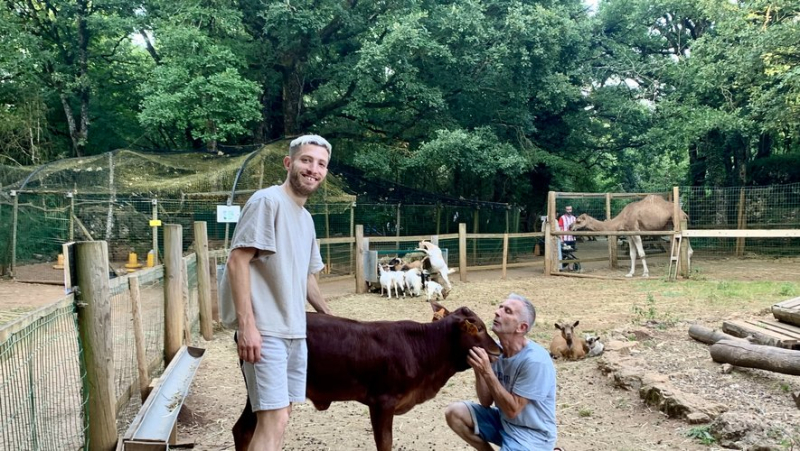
741 353
751 233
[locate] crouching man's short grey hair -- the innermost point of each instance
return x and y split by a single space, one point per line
528 313
316 140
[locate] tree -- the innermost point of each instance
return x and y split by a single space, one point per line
59 40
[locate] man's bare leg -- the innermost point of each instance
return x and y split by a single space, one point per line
270 429
460 421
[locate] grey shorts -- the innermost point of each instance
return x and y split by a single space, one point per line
279 378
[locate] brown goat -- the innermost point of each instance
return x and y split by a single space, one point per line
566 344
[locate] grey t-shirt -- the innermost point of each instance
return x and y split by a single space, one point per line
283 232
530 373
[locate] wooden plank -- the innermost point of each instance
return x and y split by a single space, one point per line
790 303
781 328
757 327
759 333
791 316
752 233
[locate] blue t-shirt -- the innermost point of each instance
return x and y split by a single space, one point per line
530 374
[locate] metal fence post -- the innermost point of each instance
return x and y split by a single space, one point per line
14 218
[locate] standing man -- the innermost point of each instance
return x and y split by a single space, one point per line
268 277
564 222
521 384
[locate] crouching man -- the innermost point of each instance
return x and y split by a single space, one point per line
521 384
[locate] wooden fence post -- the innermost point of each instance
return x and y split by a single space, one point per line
741 223
187 303
173 291
94 325
685 262
555 240
462 251
612 240
361 283
138 337
203 279
505 255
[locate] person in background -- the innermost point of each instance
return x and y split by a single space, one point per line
564 223
521 384
268 278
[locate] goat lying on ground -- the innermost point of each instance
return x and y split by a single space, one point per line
592 345
565 344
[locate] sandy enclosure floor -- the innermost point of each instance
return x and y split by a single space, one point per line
592 414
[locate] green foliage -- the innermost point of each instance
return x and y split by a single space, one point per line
702 435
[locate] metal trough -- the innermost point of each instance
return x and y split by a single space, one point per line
152 429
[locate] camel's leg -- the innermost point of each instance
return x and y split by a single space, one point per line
632 253
640 249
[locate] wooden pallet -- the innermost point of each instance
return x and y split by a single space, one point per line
767 331
788 311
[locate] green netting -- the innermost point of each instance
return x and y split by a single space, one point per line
41 377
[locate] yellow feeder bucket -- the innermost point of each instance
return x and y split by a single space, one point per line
60 263
133 263
151 258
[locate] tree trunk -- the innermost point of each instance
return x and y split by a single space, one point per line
748 355
709 336
293 81
79 131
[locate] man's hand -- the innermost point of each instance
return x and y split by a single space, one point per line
479 360
249 344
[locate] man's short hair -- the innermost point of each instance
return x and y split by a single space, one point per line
528 314
316 140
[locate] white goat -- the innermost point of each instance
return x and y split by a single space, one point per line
414 281
399 282
433 289
436 260
593 346
387 282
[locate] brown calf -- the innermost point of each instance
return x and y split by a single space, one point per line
390 366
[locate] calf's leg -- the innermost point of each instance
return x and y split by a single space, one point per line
381 418
244 428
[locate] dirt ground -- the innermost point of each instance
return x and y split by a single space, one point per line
592 414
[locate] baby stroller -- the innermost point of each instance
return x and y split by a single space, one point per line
567 254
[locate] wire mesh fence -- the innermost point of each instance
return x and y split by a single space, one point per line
42 381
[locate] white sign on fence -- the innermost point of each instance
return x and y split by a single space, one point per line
228 213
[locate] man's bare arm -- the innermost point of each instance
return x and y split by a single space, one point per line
509 403
315 297
238 272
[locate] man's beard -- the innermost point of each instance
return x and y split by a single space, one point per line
297 185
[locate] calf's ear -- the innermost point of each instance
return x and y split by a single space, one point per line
439 308
469 327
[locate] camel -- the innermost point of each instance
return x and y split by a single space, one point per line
649 214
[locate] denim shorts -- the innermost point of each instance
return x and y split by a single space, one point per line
279 377
489 427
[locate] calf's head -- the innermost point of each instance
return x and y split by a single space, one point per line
472 332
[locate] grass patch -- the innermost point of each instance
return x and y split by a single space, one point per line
702 435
